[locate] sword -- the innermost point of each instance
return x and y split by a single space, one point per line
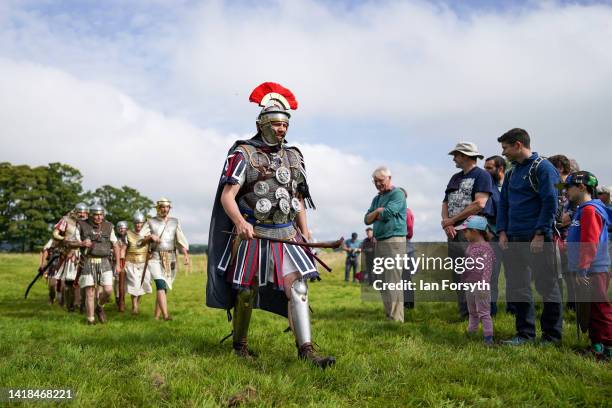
41 272
307 245
328 244
144 270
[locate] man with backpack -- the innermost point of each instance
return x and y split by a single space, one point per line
525 218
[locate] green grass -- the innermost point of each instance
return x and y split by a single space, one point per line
137 361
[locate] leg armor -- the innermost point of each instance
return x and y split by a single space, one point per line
300 313
242 318
300 319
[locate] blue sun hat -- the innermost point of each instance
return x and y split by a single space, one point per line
476 222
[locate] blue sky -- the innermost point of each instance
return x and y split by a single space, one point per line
396 83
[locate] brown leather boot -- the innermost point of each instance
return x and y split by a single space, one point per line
242 350
307 352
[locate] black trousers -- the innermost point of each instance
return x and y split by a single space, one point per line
523 267
456 249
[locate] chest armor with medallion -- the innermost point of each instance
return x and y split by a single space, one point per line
270 188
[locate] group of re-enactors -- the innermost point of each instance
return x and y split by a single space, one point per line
254 256
89 260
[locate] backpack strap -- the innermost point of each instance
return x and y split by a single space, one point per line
533 173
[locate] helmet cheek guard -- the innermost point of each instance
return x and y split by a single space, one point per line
264 123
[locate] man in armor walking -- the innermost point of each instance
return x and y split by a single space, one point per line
135 254
261 198
167 236
96 238
119 282
63 233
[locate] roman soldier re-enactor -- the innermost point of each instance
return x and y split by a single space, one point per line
119 282
48 253
96 238
63 233
135 254
166 235
262 192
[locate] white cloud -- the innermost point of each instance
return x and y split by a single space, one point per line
165 77
113 140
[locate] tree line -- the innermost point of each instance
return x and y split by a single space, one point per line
33 199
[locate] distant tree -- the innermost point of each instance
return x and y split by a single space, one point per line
119 203
64 188
198 249
25 213
33 199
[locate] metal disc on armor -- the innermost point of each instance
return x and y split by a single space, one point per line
294 185
283 175
281 193
263 206
284 205
275 162
279 217
296 173
296 205
261 188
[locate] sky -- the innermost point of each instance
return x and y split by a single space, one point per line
151 94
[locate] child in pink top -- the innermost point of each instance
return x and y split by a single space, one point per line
481 266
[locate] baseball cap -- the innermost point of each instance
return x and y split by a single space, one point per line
474 222
579 177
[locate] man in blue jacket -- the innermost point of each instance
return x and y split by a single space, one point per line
525 217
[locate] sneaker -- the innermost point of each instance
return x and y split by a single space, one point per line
488 341
597 350
517 341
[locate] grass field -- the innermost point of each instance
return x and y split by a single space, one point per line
137 361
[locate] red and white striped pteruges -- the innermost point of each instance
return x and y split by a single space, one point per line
271 90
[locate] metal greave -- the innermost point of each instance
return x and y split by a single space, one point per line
242 313
300 312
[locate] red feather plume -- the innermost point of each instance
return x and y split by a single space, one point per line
269 87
